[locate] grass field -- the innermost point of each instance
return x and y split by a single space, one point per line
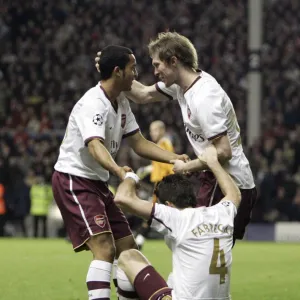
49 270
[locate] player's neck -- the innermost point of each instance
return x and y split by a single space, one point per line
110 90
186 78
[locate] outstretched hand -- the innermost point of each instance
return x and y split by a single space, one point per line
122 172
179 166
182 157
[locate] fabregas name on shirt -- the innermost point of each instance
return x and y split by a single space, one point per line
202 229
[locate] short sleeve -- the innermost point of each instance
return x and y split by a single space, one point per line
130 124
210 113
165 219
91 121
229 207
170 92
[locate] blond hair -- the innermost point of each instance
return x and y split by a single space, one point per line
168 44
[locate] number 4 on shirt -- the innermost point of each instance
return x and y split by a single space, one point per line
213 268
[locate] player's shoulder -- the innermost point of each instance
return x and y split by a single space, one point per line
208 82
123 100
94 97
225 206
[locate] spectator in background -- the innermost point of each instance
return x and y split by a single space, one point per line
156 170
41 197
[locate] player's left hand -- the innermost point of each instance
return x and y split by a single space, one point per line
183 157
179 166
97 59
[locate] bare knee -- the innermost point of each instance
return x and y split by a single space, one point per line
125 244
130 257
102 247
132 262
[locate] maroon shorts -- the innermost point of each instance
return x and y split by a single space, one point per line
87 208
209 193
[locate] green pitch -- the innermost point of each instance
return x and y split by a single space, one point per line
49 270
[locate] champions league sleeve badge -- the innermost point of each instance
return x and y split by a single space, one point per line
98 120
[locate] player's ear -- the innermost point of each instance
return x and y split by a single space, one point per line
117 71
169 204
174 61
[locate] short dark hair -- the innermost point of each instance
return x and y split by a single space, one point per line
113 56
176 188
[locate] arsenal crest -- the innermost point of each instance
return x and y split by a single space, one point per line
123 120
100 220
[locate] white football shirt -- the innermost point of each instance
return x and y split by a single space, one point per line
201 241
207 113
93 116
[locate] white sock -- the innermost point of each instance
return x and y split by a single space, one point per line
125 288
98 279
140 240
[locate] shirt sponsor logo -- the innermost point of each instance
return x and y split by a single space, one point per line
195 136
98 120
100 220
123 120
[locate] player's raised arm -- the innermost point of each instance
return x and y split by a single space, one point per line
127 199
143 94
228 186
140 93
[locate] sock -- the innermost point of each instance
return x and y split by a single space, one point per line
98 280
114 276
149 284
125 289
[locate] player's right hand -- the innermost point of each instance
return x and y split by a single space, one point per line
97 59
122 172
210 155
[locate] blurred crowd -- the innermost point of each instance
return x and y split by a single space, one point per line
47 51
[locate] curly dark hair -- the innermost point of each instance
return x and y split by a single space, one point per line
111 57
176 188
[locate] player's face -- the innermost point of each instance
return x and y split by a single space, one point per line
163 71
130 73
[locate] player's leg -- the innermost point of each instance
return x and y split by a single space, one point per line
99 273
135 273
243 217
122 234
83 211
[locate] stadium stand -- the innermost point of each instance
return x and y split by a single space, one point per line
47 54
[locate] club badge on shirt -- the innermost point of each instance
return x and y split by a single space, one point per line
123 120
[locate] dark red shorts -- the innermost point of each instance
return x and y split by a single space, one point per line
209 193
87 208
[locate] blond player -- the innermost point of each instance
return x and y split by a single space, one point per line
200 239
208 117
